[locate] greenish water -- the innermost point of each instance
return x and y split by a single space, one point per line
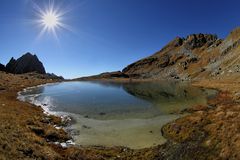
115 114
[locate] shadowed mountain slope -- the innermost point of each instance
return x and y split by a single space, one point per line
26 63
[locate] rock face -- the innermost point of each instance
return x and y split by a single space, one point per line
26 63
2 67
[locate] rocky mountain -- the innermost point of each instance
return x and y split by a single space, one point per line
174 59
26 63
193 57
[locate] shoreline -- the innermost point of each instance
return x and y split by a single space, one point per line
69 120
25 129
188 137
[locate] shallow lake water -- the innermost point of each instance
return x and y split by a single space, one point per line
117 114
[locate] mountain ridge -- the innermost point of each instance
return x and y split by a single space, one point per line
196 56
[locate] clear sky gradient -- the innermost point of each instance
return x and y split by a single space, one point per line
107 35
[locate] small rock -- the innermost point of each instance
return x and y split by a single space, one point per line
57 127
86 127
70 142
102 113
37 130
64 145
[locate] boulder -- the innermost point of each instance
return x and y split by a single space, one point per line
26 63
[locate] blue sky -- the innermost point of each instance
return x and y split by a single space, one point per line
107 35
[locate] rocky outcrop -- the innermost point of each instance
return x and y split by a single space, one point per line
10 67
198 40
26 63
2 67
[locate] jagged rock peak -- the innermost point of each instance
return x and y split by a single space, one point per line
10 67
192 41
26 63
28 54
201 36
178 41
2 67
198 40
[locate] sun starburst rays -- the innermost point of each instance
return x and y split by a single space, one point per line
50 19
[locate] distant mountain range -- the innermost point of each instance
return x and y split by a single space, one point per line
194 57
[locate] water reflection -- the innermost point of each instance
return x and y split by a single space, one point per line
169 97
118 114
108 100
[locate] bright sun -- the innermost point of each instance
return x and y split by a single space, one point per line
50 20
